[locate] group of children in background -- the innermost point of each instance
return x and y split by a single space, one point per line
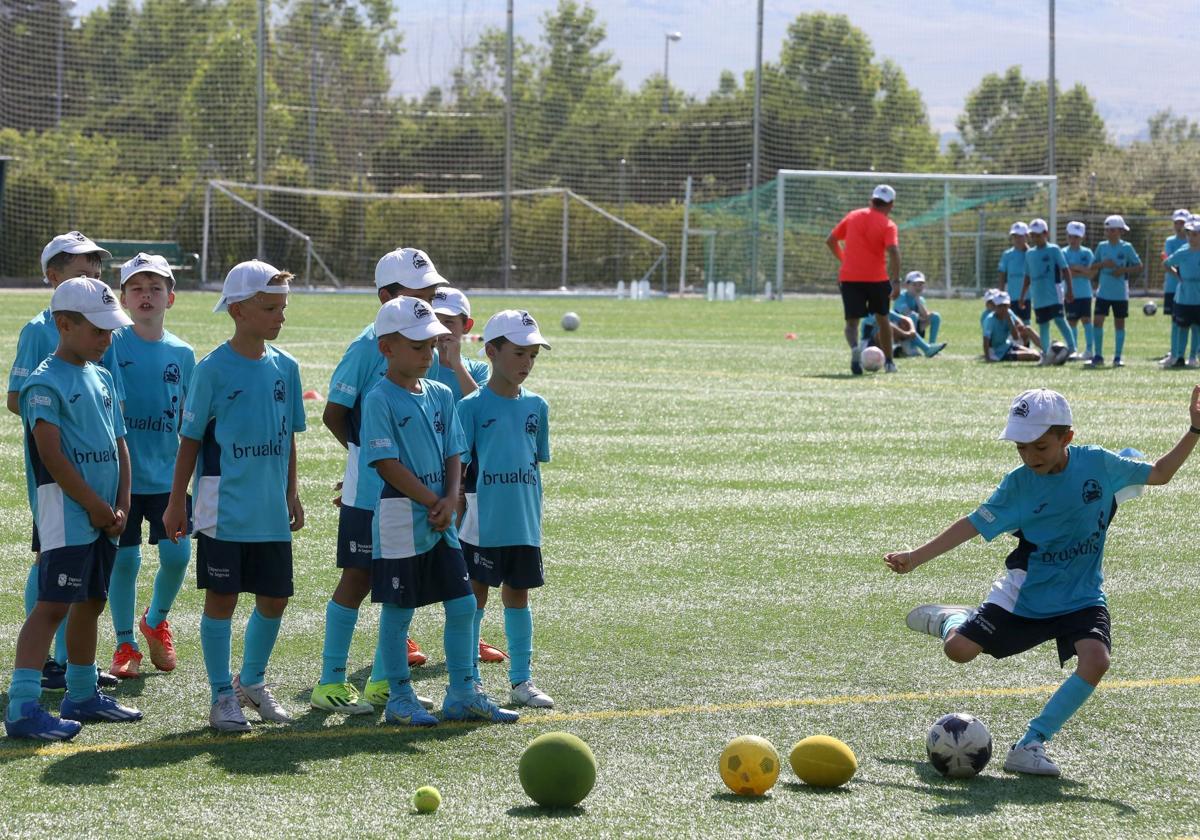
441 498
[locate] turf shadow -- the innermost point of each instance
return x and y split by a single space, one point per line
729 796
813 790
537 812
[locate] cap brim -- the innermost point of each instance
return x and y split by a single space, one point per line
165 273
109 319
422 332
1019 431
445 310
430 279
528 338
225 302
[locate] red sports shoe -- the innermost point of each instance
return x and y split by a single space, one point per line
159 642
125 662
487 653
415 655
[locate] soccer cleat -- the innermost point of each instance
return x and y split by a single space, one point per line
1170 362
477 707
407 711
934 349
415 655
1031 759
856 361
488 653
38 724
1046 360
98 707
929 618
340 697
378 692
160 643
527 694
1096 362
890 367
226 715
126 662
54 676
260 698
1193 362
1117 362
106 680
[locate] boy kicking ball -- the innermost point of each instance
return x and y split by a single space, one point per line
1059 504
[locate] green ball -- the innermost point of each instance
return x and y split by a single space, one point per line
557 770
427 799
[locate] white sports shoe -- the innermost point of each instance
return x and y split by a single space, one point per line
528 694
1031 759
929 618
226 715
260 698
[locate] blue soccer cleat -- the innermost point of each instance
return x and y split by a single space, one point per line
36 723
98 707
477 707
407 711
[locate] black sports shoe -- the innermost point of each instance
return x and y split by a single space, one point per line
106 680
54 676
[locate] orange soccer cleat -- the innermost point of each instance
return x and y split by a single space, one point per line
160 643
415 655
125 662
487 653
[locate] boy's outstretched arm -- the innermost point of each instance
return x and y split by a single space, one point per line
1164 468
902 562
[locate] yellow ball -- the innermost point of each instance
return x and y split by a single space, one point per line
749 765
427 799
822 761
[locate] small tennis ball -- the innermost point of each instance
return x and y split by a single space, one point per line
427 799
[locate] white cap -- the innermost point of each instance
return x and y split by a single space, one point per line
1033 413
1076 229
245 280
1001 299
1018 229
1038 226
914 277
990 295
410 267
92 299
1181 214
1115 221
72 242
884 193
409 316
517 326
1192 224
448 301
152 263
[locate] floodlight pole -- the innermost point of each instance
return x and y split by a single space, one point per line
261 144
668 37
506 222
754 153
1051 95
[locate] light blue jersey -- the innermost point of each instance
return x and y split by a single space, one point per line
908 304
80 401
476 369
1046 267
244 413
421 431
37 340
1082 256
156 374
506 439
1012 266
1187 263
1061 522
1172 244
998 334
362 368
1123 254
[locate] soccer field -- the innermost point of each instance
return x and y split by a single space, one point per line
717 508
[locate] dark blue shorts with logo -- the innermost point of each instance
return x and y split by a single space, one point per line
354 538
519 566
1001 633
149 507
76 573
1119 308
439 574
264 568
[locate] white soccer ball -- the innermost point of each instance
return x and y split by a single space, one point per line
873 359
1150 308
958 745
570 321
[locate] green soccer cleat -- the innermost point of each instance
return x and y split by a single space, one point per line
377 693
341 698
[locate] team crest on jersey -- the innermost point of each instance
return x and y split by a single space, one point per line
280 393
438 425
171 373
531 424
1092 491
420 310
419 260
107 397
527 319
1021 409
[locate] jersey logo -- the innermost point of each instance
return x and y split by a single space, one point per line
234 394
986 515
73 398
344 388
1040 508
125 363
1092 491
107 397
488 423
39 399
404 422
419 261
280 393
380 443
169 413
1021 409
438 425
170 373
531 424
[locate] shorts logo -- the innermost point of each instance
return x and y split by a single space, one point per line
1021 409
1092 491
280 393
419 260
986 515
188 416
353 547
395 583
531 424
171 374
62 580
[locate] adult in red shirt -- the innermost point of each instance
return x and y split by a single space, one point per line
866 243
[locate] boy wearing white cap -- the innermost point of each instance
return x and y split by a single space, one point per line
507 429
244 407
1080 258
75 452
1173 243
911 303
1059 504
404 272
1003 334
1012 267
1185 262
461 375
1045 269
157 367
415 443
1116 260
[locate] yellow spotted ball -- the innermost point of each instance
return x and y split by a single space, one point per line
749 765
823 761
427 799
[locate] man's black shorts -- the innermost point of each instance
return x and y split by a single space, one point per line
862 299
1001 633
1120 308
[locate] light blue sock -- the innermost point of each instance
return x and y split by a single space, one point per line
1178 341
339 630
216 639
379 669
478 623
1088 334
953 621
392 649
935 324
921 343
1098 335
1195 331
1044 335
1067 332
26 685
31 589
122 593
518 631
173 559
1058 710
1075 333
261 633
457 637
1120 344
81 681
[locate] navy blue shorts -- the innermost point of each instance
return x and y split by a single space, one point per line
1079 308
1001 633
1046 314
520 566
1168 303
439 574
1021 310
76 573
263 568
354 538
150 507
35 544
1120 308
1186 315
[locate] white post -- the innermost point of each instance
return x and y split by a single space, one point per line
308 252
204 240
1054 207
780 227
946 230
683 248
566 221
